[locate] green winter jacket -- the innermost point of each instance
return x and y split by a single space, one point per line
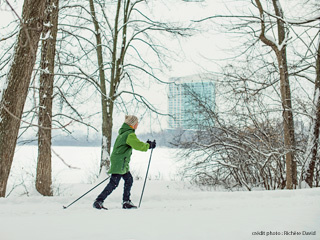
122 149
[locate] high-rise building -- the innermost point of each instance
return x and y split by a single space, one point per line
185 95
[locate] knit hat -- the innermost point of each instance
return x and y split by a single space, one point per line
131 120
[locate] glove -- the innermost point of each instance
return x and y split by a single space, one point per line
152 145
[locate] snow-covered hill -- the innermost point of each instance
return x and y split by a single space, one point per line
170 210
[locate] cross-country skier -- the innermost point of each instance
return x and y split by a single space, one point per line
120 158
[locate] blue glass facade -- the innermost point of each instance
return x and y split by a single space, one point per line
185 97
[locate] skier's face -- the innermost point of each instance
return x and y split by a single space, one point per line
135 126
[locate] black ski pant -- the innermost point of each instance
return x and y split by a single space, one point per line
113 184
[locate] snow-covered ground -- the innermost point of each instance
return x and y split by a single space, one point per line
171 209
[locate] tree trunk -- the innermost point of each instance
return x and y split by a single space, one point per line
288 124
44 169
116 72
289 138
108 101
14 96
106 119
314 143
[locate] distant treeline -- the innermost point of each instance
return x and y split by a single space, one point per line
163 139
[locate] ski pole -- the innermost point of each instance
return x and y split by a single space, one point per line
85 193
145 178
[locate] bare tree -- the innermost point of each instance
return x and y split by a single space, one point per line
49 35
18 79
106 116
238 145
274 32
280 50
119 32
313 144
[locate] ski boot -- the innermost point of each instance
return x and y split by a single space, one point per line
99 205
128 205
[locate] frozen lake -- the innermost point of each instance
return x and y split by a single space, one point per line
85 162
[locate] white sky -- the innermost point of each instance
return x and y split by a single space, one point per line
207 44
